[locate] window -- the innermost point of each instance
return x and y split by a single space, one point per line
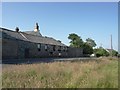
39 47
64 49
59 49
46 47
53 47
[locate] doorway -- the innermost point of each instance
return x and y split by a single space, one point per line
26 52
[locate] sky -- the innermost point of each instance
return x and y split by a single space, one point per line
95 20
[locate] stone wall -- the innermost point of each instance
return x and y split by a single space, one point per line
23 49
16 49
9 49
35 52
75 52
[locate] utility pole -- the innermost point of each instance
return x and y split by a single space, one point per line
111 46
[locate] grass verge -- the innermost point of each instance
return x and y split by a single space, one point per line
102 73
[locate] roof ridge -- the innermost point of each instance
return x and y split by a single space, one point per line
7 29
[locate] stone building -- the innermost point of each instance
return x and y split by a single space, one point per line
31 44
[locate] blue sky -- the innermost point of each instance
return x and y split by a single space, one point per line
89 20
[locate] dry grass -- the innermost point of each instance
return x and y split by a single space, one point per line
101 73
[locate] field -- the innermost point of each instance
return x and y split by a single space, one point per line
101 73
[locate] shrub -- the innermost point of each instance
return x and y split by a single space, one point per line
101 52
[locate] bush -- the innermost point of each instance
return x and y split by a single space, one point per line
118 55
98 55
101 52
114 53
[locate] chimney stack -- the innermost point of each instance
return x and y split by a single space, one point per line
36 28
17 29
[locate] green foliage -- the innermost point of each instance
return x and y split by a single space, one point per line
91 42
118 55
114 53
87 49
76 40
101 52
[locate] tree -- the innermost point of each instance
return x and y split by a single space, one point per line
87 49
76 40
87 46
91 42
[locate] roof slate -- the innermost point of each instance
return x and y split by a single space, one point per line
33 33
32 37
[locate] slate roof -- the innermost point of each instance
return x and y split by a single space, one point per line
33 33
31 37
11 34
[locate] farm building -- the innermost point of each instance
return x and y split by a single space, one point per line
31 44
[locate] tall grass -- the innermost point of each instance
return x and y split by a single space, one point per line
101 73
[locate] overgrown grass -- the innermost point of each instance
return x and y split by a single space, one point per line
102 73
